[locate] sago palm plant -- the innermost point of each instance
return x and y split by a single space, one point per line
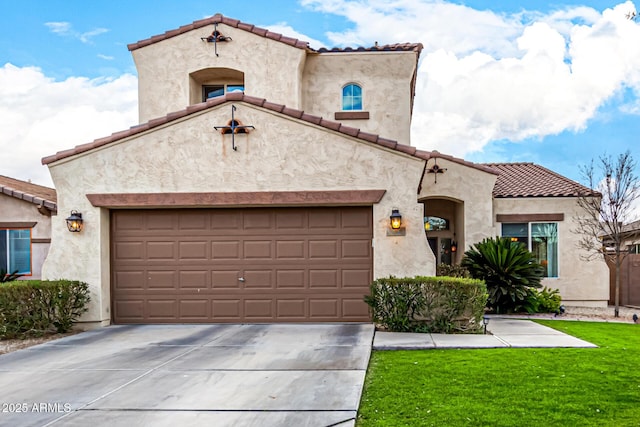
509 270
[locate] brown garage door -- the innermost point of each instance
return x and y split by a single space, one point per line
241 265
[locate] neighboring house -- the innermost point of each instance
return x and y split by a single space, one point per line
630 268
25 226
257 188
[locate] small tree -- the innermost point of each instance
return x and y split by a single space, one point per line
509 270
607 211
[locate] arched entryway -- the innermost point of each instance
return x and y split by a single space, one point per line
444 228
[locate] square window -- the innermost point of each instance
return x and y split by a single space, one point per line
15 251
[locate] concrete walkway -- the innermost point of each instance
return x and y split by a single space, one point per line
502 333
184 375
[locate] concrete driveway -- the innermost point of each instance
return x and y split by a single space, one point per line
173 375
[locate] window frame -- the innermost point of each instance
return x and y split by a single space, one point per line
530 240
7 248
225 89
351 97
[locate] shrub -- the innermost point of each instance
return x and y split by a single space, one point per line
544 301
509 270
455 270
34 307
428 304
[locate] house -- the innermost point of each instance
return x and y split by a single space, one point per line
261 184
25 226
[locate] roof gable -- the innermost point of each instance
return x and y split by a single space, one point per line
29 192
262 103
300 44
532 180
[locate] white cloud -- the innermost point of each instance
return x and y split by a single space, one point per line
66 29
485 76
106 57
40 116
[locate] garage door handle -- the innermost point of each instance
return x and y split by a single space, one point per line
241 279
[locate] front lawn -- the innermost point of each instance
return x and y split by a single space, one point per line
510 387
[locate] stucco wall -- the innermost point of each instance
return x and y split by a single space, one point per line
470 186
385 78
272 69
282 154
15 210
580 282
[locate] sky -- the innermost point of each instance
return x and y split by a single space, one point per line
554 83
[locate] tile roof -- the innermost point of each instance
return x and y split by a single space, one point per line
263 103
29 192
300 44
531 180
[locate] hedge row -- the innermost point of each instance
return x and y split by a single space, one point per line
35 307
428 304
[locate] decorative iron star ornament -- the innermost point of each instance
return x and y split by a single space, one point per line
233 127
215 37
435 170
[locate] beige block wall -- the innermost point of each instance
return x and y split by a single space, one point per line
15 210
385 78
470 186
580 282
273 70
282 154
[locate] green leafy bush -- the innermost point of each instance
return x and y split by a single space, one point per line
544 301
428 304
34 307
455 270
509 270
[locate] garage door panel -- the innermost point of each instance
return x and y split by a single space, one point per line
162 309
359 248
226 309
136 279
258 249
129 250
290 249
256 220
193 221
292 309
323 249
258 279
162 280
259 309
225 250
324 308
290 219
298 265
198 279
225 279
195 309
323 279
291 279
161 250
356 278
159 220
193 250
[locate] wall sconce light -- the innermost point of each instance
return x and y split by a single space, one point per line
395 224
74 222
395 219
454 246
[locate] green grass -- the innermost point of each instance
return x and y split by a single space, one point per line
510 387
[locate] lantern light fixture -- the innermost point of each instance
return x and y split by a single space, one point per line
395 219
74 222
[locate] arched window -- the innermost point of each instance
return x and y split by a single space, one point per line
352 97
